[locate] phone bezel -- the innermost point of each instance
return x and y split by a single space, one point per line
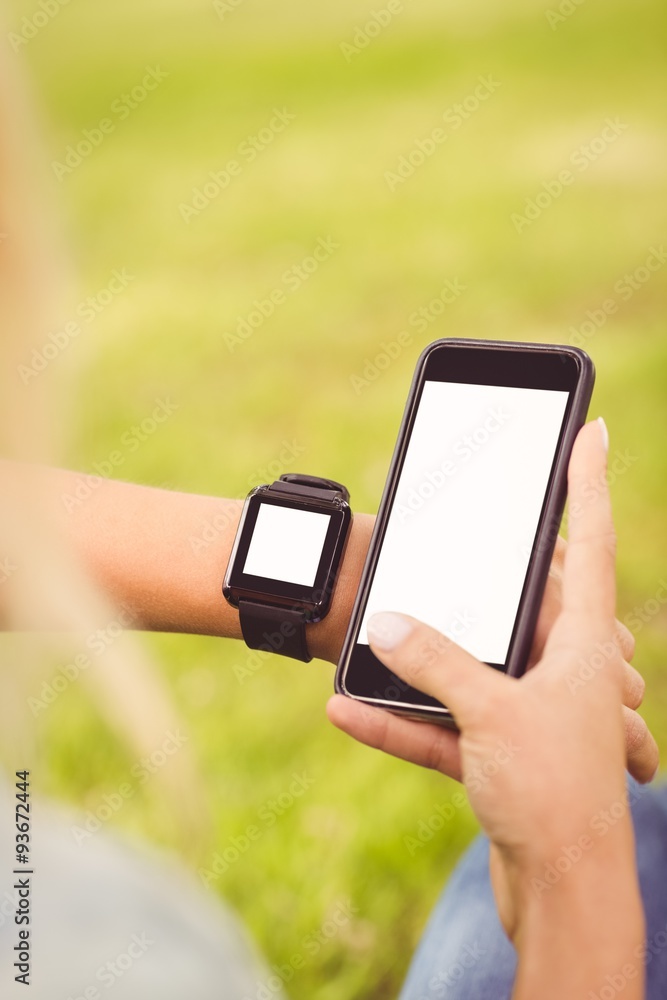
485 362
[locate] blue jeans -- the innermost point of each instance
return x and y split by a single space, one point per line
465 955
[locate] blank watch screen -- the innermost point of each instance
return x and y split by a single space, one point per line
287 544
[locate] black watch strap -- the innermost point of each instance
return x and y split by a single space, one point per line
294 483
283 630
275 630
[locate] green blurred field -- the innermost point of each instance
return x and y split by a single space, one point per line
324 176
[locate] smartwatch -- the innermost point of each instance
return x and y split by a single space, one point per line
285 561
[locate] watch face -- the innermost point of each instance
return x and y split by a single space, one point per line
287 544
287 552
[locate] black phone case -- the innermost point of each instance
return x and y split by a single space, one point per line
547 530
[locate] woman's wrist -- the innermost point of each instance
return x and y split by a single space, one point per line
162 555
173 582
325 639
580 922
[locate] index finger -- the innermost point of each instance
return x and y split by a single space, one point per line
420 743
589 578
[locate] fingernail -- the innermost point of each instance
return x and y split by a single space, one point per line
387 630
605 433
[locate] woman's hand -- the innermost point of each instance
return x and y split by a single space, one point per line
544 755
431 746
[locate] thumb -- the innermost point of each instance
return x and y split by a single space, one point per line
436 665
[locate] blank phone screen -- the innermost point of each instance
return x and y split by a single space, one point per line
462 526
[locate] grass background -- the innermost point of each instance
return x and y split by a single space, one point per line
292 380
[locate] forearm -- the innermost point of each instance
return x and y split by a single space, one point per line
162 555
585 933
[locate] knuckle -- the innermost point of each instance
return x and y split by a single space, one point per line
381 734
560 550
415 668
422 654
635 687
608 540
624 638
598 543
483 713
636 732
605 539
433 645
433 756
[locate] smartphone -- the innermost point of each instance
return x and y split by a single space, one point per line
471 510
